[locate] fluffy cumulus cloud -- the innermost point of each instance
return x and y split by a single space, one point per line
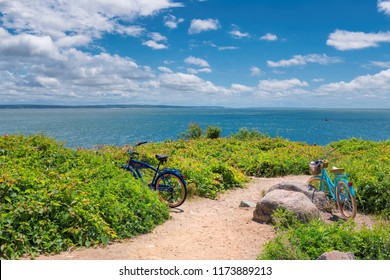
28 45
237 34
303 60
156 42
172 22
269 37
202 25
376 84
77 17
346 40
384 6
41 59
203 64
281 85
196 61
255 71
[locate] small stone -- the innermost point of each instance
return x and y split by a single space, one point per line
337 255
246 203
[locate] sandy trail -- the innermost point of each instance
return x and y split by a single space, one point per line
201 229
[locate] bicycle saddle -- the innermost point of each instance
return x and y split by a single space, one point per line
162 158
336 170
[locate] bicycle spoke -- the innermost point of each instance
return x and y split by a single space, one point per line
171 189
345 200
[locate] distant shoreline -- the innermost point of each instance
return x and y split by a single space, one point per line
129 106
38 106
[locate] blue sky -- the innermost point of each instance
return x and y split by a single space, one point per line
248 53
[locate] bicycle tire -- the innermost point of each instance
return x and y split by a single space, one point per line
346 202
314 182
171 189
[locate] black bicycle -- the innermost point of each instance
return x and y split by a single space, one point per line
167 182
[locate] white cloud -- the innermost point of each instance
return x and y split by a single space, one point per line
196 61
28 45
172 22
255 71
188 83
381 64
238 88
202 25
227 48
269 37
79 77
384 6
164 69
134 31
281 85
374 84
346 40
154 45
303 60
155 36
236 33
223 48
201 70
59 18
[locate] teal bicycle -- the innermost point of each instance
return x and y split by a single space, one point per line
338 190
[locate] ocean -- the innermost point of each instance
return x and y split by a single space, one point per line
88 127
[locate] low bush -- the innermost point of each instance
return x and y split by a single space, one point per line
297 241
53 198
213 132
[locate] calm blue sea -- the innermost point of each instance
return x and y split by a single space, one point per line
87 127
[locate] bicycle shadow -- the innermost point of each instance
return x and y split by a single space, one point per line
176 210
331 217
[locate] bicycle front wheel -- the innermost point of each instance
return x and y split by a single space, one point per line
171 189
345 200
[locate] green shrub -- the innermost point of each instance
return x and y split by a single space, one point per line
245 134
213 132
53 198
194 131
296 240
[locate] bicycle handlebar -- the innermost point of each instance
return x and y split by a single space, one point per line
131 151
140 143
331 151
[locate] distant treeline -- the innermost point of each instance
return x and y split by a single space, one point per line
40 106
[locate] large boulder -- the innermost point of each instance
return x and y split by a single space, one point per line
296 202
337 255
318 198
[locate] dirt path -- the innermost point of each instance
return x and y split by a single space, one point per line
202 229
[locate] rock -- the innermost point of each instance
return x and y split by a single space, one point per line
246 203
296 202
337 255
318 198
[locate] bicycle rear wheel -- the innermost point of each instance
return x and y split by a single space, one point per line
171 189
345 200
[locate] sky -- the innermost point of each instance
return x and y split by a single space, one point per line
244 53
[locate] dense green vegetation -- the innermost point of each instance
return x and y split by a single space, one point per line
297 241
53 198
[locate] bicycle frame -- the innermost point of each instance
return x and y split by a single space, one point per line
330 184
135 165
